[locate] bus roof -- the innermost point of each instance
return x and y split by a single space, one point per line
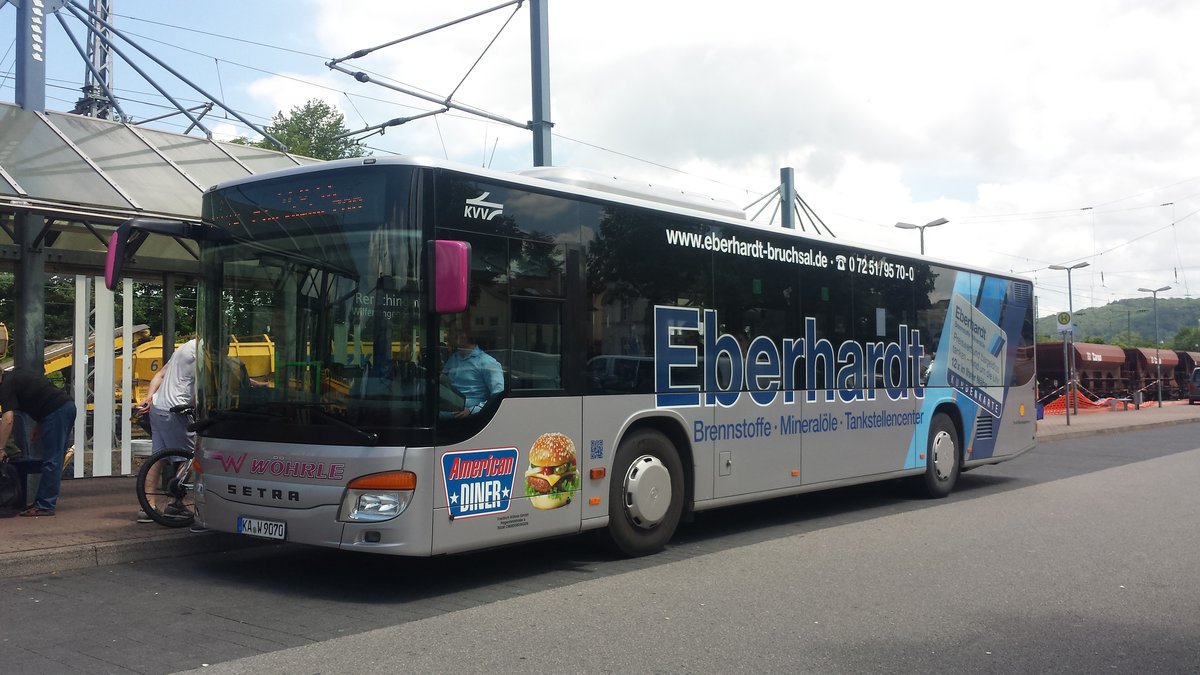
601 187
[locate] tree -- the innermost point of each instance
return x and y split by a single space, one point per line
311 130
59 315
1187 338
1130 339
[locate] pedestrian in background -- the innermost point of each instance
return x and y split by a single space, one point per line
53 411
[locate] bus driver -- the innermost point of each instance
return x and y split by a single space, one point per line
474 373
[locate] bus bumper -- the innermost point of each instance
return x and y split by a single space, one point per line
408 534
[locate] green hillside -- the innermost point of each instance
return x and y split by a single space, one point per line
1130 323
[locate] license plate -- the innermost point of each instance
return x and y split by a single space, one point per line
255 527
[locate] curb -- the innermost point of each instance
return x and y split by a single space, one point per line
1108 431
64 558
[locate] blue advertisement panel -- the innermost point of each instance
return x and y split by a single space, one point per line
479 482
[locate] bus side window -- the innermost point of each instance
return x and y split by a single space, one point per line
536 361
536 270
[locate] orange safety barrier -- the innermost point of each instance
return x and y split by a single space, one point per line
1059 405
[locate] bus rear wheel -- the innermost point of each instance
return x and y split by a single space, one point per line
942 458
645 494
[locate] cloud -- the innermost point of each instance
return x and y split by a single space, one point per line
225 131
288 90
1007 120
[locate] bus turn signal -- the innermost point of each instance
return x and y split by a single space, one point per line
388 480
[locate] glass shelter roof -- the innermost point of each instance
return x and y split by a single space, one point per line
84 172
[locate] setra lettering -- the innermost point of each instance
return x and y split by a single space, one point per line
274 494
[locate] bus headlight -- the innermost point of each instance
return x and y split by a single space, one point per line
377 497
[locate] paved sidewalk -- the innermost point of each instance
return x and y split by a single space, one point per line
95 522
96 525
1054 427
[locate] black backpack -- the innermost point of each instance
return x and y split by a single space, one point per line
10 487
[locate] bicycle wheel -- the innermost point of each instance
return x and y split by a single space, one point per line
164 487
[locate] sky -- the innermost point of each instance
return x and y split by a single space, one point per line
1054 132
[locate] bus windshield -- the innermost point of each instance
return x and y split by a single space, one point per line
311 311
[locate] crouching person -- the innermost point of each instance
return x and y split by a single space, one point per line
54 412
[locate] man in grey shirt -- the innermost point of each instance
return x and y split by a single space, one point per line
173 385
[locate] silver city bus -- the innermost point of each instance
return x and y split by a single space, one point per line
467 358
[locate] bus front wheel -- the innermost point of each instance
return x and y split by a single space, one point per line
645 494
942 458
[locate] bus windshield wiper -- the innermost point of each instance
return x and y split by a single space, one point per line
230 414
369 437
296 413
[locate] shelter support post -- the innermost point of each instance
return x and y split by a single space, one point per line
30 92
103 385
80 367
168 337
29 347
127 389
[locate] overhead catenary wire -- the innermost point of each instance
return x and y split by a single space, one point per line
74 7
8 71
482 54
364 52
78 12
382 100
447 103
1100 205
1178 249
1065 212
1125 243
256 43
324 57
100 80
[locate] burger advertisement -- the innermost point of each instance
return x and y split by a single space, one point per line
552 475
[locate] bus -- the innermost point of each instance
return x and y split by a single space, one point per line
660 355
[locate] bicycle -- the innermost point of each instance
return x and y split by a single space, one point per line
166 482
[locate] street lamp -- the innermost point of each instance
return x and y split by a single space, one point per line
1129 321
910 226
1157 358
1069 361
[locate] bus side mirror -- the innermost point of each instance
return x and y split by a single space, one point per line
452 269
121 246
130 235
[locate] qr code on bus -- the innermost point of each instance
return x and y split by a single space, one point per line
597 449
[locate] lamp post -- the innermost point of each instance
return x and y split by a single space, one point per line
1157 357
1069 362
1129 320
910 226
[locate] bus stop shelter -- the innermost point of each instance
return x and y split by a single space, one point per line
66 182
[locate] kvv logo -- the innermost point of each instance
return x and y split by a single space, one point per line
482 209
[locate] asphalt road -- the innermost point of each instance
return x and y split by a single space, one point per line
1081 556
